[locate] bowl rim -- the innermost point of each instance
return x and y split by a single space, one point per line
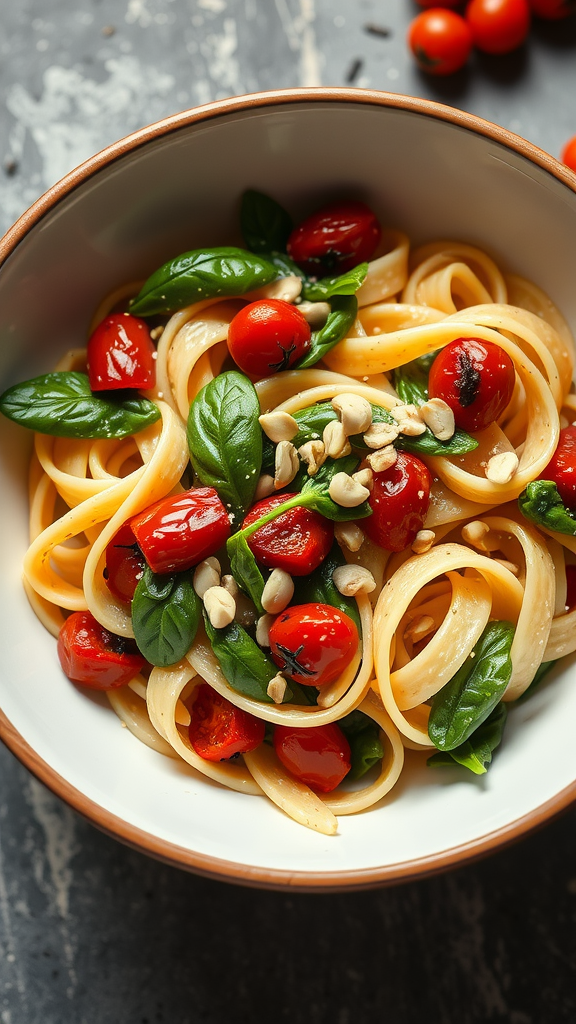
109 823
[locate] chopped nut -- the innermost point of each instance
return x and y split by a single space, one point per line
286 464
229 584
365 477
220 607
156 333
206 575
438 416
349 536
382 459
278 592
264 487
408 419
313 453
381 434
420 627
347 492
263 630
423 541
278 425
353 579
277 688
335 440
502 467
354 411
315 313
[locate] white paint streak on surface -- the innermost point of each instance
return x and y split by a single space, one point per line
218 51
299 31
217 6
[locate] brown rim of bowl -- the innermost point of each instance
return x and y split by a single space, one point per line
144 842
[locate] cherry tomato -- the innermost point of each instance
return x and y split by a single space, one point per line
552 10
178 532
125 564
121 354
91 655
219 730
319 757
440 40
570 587
475 378
313 643
562 467
297 541
569 154
335 239
268 336
399 502
439 3
498 26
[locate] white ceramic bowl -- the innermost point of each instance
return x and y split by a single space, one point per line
425 168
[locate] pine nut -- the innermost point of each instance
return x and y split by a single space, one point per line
365 477
315 313
347 492
349 536
313 453
278 592
353 579
206 576
382 459
502 467
335 440
420 627
220 607
381 434
477 534
408 419
438 416
423 541
276 688
263 630
264 487
278 425
286 464
354 411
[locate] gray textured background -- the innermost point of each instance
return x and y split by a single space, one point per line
90 932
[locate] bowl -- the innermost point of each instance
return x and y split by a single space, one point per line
427 169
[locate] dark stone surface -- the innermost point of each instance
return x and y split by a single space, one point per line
91 932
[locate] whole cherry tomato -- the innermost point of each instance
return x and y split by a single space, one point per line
399 502
569 154
313 643
553 10
498 26
121 354
125 564
562 467
475 378
570 587
319 757
91 655
219 730
178 532
440 40
268 336
335 239
296 541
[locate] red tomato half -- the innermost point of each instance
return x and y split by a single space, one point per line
178 532
440 40
267 337
562 467
399 502
219 730
335 239
121 354
91 655
125 564
475 378
297 541
498 26
319 757
313 643
569 154
553 10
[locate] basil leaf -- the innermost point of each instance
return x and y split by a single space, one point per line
542 503
366 748
411 382
225 439
285 266
339 322
62 404
543 670
165 616
476 753
265 224
268 455
245 666
469 697
202 274
319 587
315 491
328 287
244 568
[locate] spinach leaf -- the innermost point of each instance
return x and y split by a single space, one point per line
202 274
339 322
165 615
427 444
366 748
315 491
62 404
225 439
245 666
244 568
285 266
543 670
328 287
265 224
476 753
319 586
470 696
542 503
411 382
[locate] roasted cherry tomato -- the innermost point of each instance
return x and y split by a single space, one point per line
121 354
178 532
562 467
297 541
125 564
335 239
475 378
268 336
91 655
219 730
569 154
440 40
553 10
570 587
313 643
498 26
399 503
319 757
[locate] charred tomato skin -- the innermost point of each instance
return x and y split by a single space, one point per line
399 501
297 541
313 643
335 239
475 378
319 757
93 656
268 336
219 730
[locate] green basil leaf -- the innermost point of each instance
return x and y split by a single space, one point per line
339 322
202 274
319 587
244 568
245 666
268 455
328 287
543 670
62 404
411 383
165 615
366 748
427 444
542 503
315 491
225 439
265 224
476 753
285 266
469 697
